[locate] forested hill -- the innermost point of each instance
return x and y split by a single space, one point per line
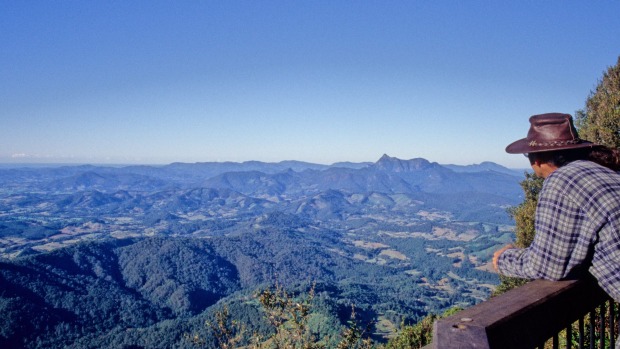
110 257
94 294
94 287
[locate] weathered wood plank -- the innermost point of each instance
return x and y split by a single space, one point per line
520 318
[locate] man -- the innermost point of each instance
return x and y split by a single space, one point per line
577 219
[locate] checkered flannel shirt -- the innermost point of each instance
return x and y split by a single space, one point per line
577 227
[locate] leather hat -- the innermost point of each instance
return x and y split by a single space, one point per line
549 132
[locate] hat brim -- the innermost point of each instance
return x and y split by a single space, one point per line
523 146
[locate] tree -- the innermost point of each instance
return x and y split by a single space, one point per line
353 336
418 335
228 333
524 213
524 225
599 122
289 317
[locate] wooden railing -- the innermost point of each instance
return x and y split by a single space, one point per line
533 316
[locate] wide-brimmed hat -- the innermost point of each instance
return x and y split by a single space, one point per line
549 132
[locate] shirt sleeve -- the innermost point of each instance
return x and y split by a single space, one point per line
556 251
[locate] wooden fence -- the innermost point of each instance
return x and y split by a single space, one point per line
533 316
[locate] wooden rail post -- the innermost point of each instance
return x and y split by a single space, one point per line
520 318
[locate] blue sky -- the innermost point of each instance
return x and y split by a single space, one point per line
321 81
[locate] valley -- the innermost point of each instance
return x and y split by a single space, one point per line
397 238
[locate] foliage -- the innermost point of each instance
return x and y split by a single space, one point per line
594 319
418 335
289 318
353 336
524 213
589 326
415 336
508 283
227 332
599 122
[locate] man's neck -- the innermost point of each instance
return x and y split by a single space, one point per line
546 169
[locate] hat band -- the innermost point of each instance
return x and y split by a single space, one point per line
534 143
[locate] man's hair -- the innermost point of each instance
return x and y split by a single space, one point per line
600 154
605 156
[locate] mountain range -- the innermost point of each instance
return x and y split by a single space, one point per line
388 174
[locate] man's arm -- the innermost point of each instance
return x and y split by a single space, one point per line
498 253
557 247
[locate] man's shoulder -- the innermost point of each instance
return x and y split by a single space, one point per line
581 167
568 172
578 173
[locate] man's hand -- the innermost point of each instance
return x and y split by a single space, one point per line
498 253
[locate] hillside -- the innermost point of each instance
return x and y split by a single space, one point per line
92 289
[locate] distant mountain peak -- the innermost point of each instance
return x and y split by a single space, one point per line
386 157
388 163
483 167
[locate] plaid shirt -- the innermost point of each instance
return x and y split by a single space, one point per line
577 227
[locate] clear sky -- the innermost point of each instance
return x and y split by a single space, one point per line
157 82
